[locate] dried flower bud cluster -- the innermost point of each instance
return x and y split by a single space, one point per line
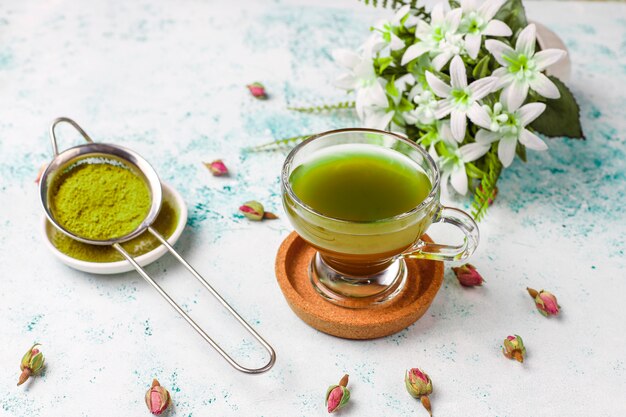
157 398
217 168
338 395
514 348
257 90
419 385
31 364
468 276
253 210
545 301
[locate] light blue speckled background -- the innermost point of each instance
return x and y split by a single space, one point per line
167 79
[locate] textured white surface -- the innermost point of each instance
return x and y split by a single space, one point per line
167 79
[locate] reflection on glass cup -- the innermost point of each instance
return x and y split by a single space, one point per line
361 262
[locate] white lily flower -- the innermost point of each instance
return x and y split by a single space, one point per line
452 163
478 21
439 37
522 67
361 78
508 126
459 99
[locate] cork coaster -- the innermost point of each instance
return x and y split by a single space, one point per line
292 263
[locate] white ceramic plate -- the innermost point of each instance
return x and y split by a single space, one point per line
171 196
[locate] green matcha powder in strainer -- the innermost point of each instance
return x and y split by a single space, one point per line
103 201
100 201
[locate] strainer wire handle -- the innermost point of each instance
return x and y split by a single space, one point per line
53 137
189 320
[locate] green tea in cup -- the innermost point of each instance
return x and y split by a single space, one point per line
363 198
360 182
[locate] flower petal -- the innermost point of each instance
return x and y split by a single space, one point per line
458 124
532 141
529 112
346 58
377 96
458 179
442 59
402 11
480 88
468 5
440 88
514 94
504 78
444 107
479 116
473 151
543 59
506 150
544 86
414 51
396 43
346 81
472 44
438 13
489 8
458 75
453 19
485 137
526 39
497 28
498 49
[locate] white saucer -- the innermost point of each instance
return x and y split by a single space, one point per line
171 196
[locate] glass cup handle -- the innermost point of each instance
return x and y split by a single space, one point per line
438 252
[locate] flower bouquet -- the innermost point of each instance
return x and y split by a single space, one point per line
466 80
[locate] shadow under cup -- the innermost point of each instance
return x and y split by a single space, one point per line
360 263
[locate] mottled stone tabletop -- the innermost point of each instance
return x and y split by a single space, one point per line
167 79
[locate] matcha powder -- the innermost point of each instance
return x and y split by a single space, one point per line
100 201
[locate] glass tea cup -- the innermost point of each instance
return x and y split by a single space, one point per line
360 263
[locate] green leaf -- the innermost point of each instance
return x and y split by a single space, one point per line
513 14
520 150
383 63
324 107
486 191
391 89
562 115
481 70
284 143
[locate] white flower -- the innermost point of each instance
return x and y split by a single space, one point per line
379 115
478 21
522 67
429 4
452 163
439 37
508 125
362 79
425 106
459 99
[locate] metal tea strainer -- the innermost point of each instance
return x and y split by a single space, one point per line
105 153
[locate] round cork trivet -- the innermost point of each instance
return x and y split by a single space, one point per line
292 271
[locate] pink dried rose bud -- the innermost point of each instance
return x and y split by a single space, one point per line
31 363
419 385
545 301
337 396
514 348
257 90
468 276
217 168
253 210
157 398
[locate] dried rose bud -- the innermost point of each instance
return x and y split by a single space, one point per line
419 385
468 276
545 301
157 398
31 364
253 210
337 396
257 90
514 348
40 173
217 168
